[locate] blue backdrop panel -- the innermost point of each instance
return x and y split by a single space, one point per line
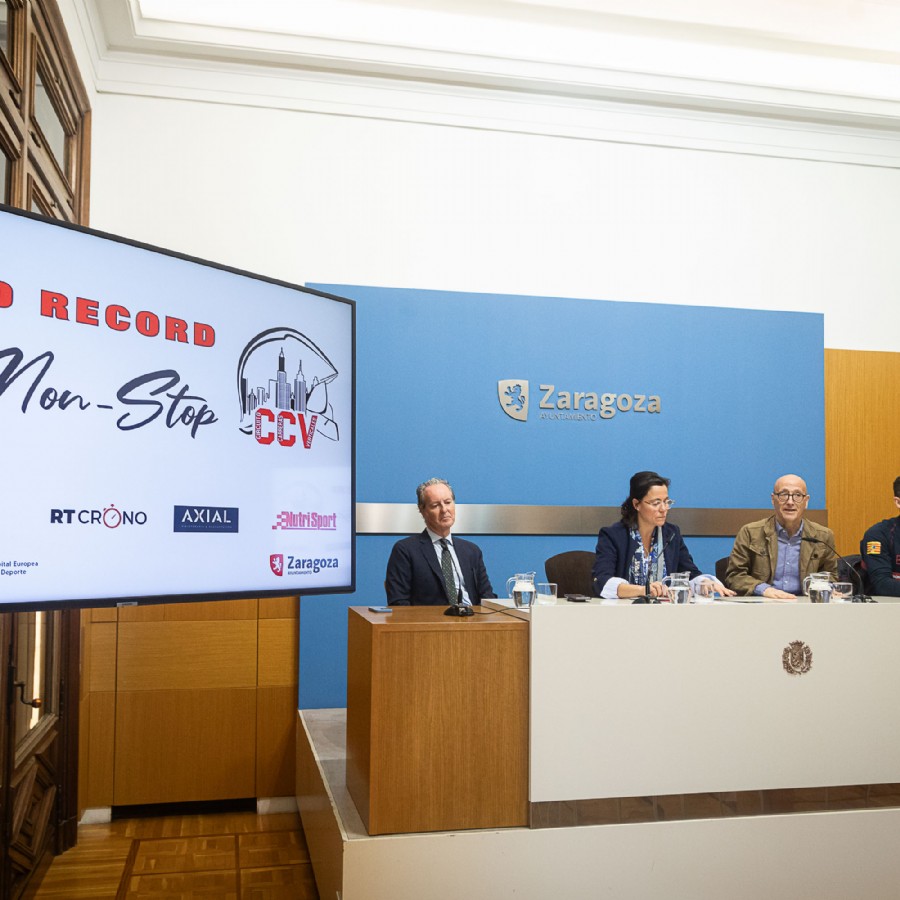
741 401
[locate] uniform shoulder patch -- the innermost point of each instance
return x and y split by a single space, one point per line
873 548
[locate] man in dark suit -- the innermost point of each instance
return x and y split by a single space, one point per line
433 568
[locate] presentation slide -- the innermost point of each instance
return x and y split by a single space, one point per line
172 429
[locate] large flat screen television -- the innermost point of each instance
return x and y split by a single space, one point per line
170 429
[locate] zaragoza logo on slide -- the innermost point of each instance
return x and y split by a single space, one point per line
283 380
513 395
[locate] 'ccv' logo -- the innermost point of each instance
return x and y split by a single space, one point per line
513 396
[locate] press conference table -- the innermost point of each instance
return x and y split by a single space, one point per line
650 710
658 700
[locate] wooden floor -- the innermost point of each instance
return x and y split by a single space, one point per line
232 856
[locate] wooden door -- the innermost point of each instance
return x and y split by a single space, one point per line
41 719
44 131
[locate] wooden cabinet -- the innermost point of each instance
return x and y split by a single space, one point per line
437 720
189 702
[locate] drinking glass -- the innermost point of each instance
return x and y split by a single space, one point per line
841 591
546 593
706 591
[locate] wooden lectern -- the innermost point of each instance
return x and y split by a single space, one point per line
437 719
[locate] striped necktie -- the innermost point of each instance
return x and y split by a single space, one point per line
447 569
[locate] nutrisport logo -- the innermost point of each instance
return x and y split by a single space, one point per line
282 380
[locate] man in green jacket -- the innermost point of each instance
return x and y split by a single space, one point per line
772 557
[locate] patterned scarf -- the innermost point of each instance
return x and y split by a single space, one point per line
646 568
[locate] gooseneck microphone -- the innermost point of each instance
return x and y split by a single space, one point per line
861 596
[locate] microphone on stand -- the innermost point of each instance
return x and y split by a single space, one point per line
861 596
458 608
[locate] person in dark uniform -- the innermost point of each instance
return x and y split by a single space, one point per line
880 552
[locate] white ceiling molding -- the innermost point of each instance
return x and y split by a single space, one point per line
514 65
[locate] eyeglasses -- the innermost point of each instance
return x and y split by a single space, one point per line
659 504
784 496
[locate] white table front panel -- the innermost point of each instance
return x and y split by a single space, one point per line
638 700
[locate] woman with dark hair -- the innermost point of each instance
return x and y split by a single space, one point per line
635 554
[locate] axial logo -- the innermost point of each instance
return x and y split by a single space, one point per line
109 516
277 409
221 519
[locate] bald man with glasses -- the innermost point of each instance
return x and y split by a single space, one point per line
772 557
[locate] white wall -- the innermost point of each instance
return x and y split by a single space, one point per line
616 210
309 197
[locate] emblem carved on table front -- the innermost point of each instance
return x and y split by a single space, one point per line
797 658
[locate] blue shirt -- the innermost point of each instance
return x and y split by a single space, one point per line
787 567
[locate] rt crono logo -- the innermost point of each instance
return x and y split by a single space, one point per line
109 516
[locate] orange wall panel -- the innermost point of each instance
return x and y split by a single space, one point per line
862 434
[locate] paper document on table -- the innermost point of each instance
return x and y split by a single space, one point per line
755 599
751 599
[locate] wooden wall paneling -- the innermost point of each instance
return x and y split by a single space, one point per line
276 712
96 777
155 612
279 607
211 611
104 614
99 663
190 611
84 711
278 648
185 745
862 433
84 619
882 404
84 704
277 697
845 447
180 657
96 708
185 655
